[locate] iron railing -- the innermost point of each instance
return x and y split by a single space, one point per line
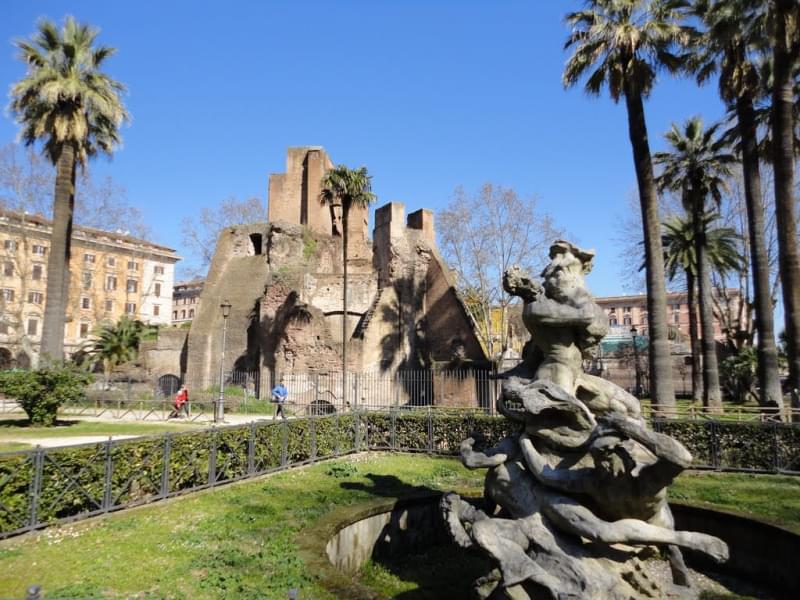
50 485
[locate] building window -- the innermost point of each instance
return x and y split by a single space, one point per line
36 274
156 310
111 283
626 309
612 322
183 314
626 320
130 308
191 313
84 333
10 245
676 317
643 319
111 261
675 306
88 258
133 265
33 326
86 303
131 286
174 315
7 294
109 305
158 270
35 297
8 269
38 249
157 290
193 300
86 280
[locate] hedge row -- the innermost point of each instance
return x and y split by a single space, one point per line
46 485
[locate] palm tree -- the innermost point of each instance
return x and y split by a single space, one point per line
621 44
345 188
66 101
731 45
697 167
680 255
116 344
785 41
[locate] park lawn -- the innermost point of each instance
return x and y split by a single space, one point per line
773 498
244 540
232 542
13 446
19 429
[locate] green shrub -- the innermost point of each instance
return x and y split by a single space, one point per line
41 391
738 375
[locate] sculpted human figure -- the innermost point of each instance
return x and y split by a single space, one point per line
565 326
583 466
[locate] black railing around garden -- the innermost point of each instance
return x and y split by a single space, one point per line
49 485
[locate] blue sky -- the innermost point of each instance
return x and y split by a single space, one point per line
428 95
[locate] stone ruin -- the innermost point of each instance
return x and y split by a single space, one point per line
576 498
283 278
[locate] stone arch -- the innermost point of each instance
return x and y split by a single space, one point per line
169 384
23 360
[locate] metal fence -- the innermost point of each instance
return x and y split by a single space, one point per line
49 485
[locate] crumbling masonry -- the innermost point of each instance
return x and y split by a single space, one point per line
283 279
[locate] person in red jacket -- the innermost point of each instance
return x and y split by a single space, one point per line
181 403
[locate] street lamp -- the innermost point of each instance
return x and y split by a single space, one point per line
638 375
219 414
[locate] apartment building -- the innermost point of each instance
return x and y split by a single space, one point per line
186 300
111 274
625 312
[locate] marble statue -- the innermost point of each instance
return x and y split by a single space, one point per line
575 502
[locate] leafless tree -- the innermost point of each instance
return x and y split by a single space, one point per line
200 231
482 234
26 186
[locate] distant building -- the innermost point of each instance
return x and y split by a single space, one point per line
186 300
111 274
625 312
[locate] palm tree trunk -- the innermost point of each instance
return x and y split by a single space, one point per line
345 211
783 161
57 290
694 339
662 387
768 377
712 396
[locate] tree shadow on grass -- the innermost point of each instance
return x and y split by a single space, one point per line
24 422
416 547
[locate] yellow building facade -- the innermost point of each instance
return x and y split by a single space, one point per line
111 275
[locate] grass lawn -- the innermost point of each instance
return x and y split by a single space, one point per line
19 429
251 540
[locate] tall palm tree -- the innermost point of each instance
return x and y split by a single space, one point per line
680 255
346 188
785 41
75 109
697 167
116 344
732 44
621 44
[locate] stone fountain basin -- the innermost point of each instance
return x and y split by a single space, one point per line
760 552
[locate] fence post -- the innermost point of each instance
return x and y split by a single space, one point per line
165 467
313 425
430 430
251 449
393 430
107 476
714 445
776 458
36 484
284 442
212 459
357 382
